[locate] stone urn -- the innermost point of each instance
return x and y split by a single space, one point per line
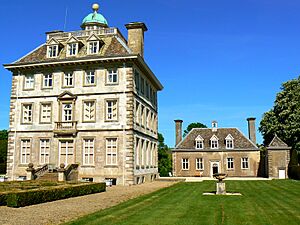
221 189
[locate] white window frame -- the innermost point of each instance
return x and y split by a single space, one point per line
112 76
244 161
89 111
112 151
199 142
44 151
27 113
111 112
67 152
230 163
199 164
67 112
68 79
93 47
229 142
185 164
46 113
72 49
90 78
214 142
25 151
88 151
52 51
29 82
48 80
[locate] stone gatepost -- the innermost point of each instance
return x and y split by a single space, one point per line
30 172
221 189
61 172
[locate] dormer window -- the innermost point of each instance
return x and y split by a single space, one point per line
214 142
199 142
72 49
229 142
93 47
52 51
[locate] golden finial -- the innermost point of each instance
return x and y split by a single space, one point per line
95 7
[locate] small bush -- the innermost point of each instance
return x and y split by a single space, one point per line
294 172
2 199
31 197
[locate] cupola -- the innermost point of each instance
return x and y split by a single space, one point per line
94 20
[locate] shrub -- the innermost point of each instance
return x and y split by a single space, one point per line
31 197
294 172
2 199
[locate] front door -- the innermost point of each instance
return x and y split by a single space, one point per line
281 174
214 168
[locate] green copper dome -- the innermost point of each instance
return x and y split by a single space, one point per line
94 18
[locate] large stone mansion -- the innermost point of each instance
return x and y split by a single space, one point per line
86 98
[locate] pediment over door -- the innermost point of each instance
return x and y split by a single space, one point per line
66 95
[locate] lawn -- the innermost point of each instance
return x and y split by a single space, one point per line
262 202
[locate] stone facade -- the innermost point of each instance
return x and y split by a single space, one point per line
97 110
205 151
278 158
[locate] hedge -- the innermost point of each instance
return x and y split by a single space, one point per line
294 172
31 197
2 168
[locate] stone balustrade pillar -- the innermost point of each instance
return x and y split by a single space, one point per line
30 172
61 172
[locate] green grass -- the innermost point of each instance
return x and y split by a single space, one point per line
263 202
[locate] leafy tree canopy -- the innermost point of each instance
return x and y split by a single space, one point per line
284 118
3 135
191 126
164 157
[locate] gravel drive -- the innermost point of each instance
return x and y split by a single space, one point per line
69 209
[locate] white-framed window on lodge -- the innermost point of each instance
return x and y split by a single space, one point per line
214 142
137 80
27 113
111 110
185 164
52 51
89 78
199 142
72 49
112 76
44 151
25 151
68 79
245 163
46 113
111 151
230 163
47 80
199 164
229 142
93 47
29 82
88 151
89 111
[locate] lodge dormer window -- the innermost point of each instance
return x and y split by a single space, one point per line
229 142
199 142
214 142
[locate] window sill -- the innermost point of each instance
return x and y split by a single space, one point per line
111 166
112 84
28 89
89 85
88 166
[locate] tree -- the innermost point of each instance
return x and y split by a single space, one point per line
3 150
191 126
283 119
164 157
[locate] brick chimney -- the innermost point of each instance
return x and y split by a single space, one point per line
178 131
136 32
251 129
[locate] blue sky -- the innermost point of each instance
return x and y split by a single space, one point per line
218 60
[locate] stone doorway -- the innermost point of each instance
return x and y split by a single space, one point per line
214 168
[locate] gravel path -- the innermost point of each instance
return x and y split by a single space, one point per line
69 209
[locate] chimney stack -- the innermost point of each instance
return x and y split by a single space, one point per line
136 32
251 129
178 131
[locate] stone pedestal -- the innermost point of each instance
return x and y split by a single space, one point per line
221 190
61 173
30 172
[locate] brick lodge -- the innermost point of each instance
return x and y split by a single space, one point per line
85 101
